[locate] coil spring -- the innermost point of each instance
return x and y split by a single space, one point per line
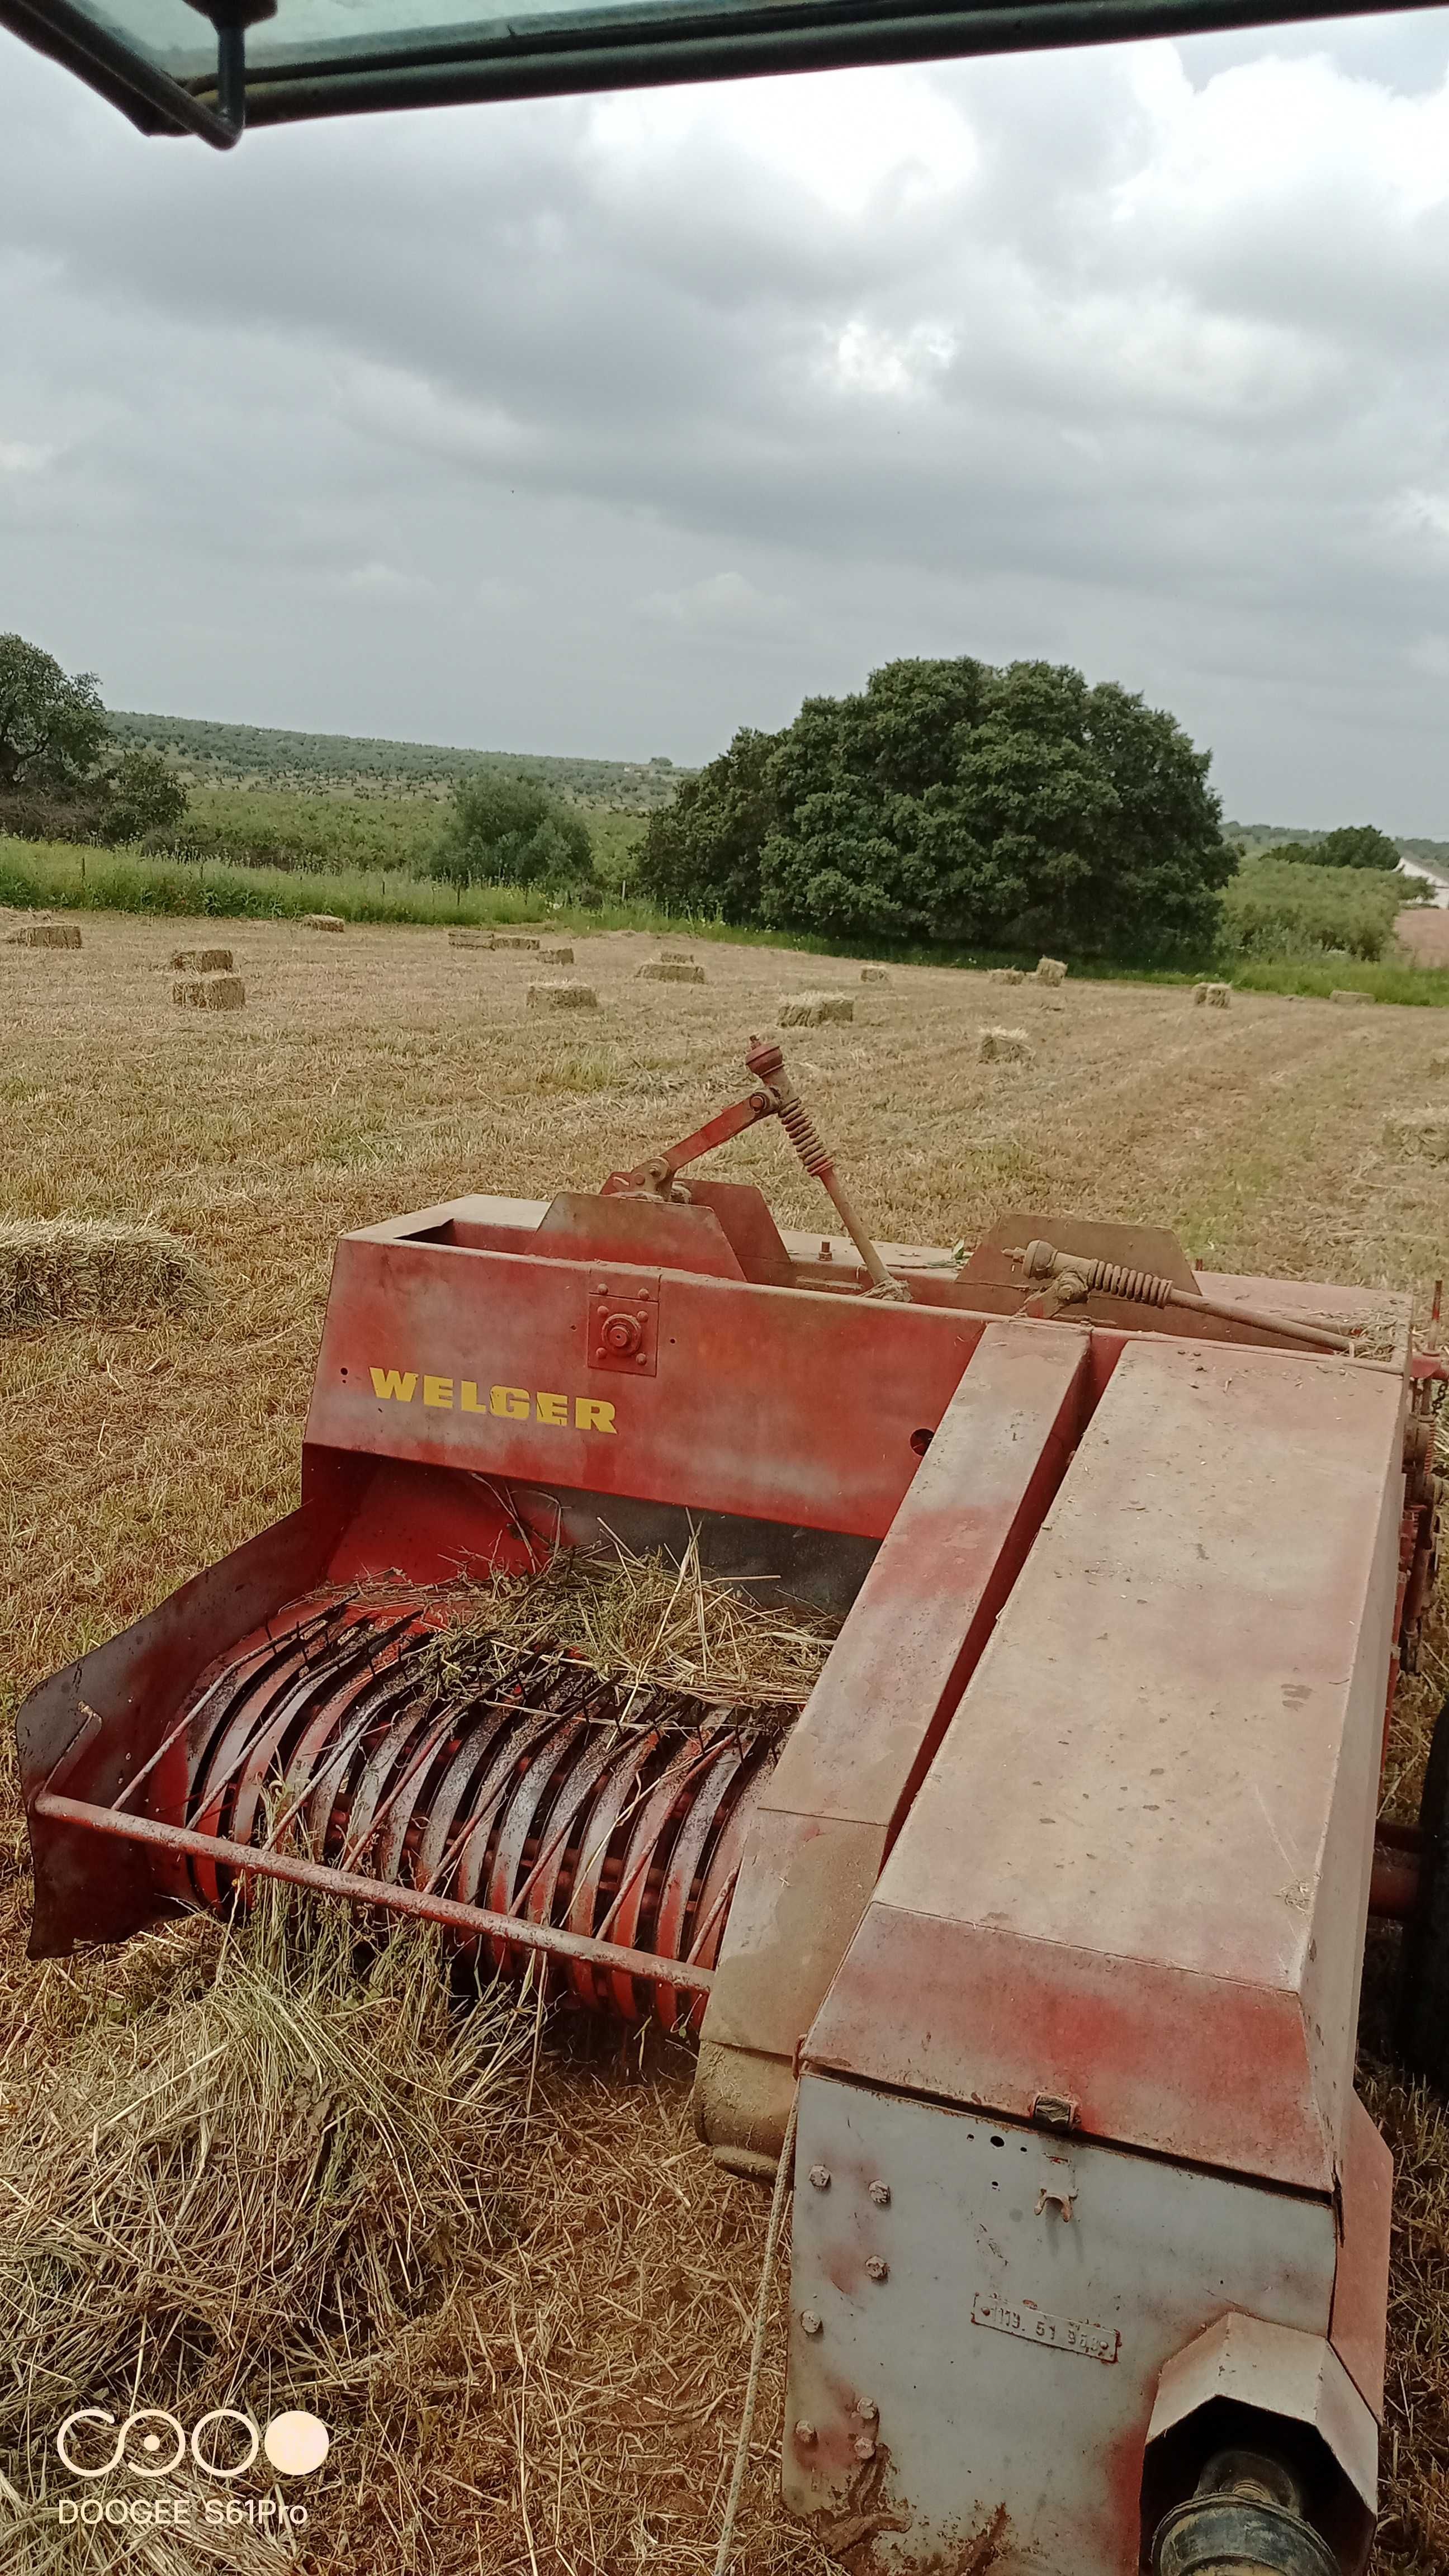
799 1127
1111 1279
1102 1278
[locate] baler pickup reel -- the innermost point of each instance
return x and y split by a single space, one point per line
1044 1917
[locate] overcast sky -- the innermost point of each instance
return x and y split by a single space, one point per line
608 425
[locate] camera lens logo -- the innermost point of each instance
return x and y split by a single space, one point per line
151 2442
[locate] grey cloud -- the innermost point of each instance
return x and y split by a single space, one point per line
607 425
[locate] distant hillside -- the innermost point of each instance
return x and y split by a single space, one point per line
221 755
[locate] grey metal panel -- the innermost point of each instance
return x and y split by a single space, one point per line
1012 2351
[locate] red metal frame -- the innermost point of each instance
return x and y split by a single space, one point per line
756 1385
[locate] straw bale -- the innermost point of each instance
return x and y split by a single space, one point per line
1006 975
209 992
1004 1046
201 961
1217 996
57 1270
562 997
511 939
874 975
808 1010
44 934
671 970
681 956
1340 994
323 921
1051 970
1420 1131
471 939
555 957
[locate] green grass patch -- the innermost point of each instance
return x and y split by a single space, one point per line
1414 984
63 878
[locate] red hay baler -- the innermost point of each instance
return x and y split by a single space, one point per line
1040 1932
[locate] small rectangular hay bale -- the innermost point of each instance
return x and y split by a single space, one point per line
470 939
1051 970
555 957
209 992
512 939
323 921
1004 1046
1419 1131
562 997
44 934
811 1010
680 956
1005 975
671 970
874 975
201 961
1219 996
1342 994
56 1270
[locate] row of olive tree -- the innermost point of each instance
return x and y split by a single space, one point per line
950 801
1353 845
61 775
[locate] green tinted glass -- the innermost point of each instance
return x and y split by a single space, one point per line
158 59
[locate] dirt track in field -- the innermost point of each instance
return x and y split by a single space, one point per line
385 1070
1423 933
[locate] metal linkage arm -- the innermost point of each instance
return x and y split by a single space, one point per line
777 1098
1079 1276
652 1179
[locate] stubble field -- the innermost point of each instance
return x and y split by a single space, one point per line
581 2416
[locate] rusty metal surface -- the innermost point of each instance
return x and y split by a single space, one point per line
1271 2364
1137 1873
770 1402
544 1809
852 1766
1359 2326
980 2313
103 1716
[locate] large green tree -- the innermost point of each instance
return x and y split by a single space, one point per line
952 801
52 724
508 831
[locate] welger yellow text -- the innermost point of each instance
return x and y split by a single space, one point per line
514 1403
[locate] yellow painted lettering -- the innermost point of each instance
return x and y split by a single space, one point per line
398 1383
468 1397
589 1415
554 1409
509 1400
438 1391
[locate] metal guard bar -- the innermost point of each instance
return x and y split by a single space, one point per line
473 1919
568 54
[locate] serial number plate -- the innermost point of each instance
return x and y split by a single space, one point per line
1059 2334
